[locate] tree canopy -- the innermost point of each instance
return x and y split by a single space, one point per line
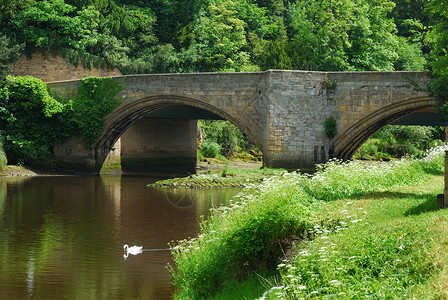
224 35
438 39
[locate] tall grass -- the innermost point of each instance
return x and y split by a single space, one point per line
253 233
241 238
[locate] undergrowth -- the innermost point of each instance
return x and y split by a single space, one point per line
256 230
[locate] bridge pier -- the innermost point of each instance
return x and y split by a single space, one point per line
160 146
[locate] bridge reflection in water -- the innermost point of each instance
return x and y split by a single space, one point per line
62 237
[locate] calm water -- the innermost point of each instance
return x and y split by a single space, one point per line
62 237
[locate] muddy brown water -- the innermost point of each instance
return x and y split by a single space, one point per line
62 237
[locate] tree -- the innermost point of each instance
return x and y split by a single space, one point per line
220 37
373 38
9 7
438 40
320 34
54 25
412 25
343 35
8 55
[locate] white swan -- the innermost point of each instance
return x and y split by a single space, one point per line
134 250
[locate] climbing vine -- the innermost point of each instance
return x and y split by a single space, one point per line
96 99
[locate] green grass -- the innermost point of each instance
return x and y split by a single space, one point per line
396 249
251 287
327 243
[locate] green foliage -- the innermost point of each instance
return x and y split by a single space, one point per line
329 85
411 19
398 141
29 118
251 233
224 135
9 53
410 56
9 8
210 149
245 35
32 121
96 99
330 126
373 40
343 35
438 38
220 37
50 25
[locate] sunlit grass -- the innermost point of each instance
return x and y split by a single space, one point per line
292 210
395 249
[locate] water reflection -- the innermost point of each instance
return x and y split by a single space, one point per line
62 237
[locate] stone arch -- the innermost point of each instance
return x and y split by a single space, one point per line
358 133
128 113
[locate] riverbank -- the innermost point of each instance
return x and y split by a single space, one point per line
322 238
17 171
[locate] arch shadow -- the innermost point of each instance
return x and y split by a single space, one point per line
127 114
358 133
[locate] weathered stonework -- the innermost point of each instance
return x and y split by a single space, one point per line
282 112
56 68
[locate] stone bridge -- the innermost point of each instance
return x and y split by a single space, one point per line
282 112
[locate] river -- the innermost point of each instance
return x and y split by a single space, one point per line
62 237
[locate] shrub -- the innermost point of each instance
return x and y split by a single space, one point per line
228 136
210 149
32 121
330 127
29 119
397 141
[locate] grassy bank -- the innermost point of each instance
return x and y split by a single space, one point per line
320 243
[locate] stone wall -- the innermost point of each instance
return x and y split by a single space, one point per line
56 68
298 107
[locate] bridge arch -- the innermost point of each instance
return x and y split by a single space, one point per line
358 133
128 113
